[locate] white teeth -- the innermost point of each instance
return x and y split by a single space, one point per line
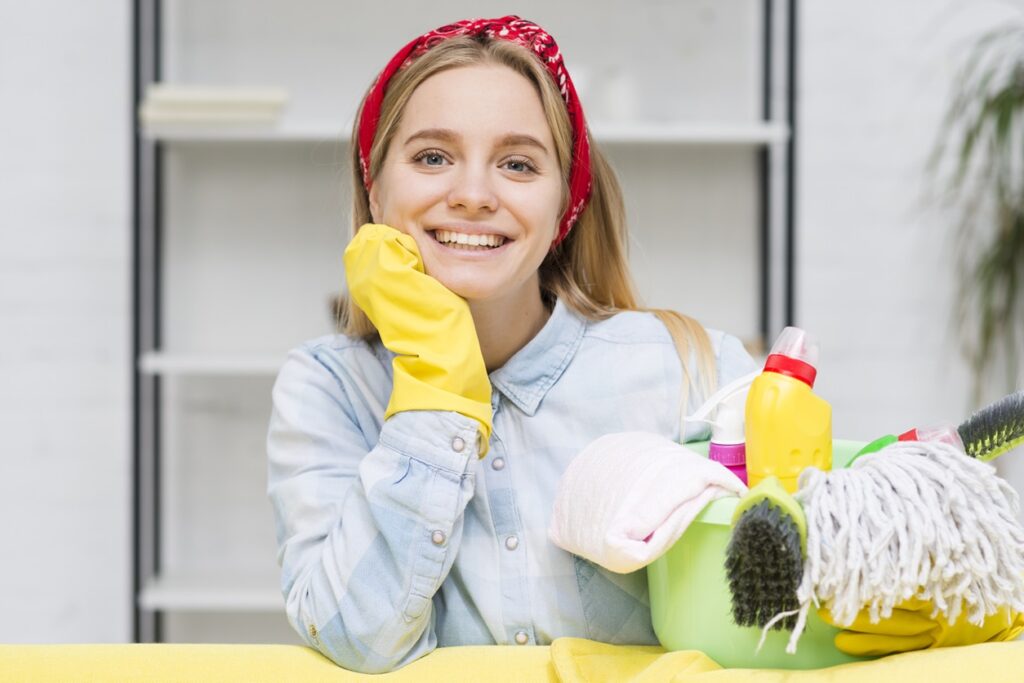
448 236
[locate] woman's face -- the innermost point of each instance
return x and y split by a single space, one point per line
474 160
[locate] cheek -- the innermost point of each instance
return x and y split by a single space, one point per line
542 206
403 195
556 198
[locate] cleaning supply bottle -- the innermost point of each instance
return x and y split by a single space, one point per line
788 427
988 433
727 439
944 433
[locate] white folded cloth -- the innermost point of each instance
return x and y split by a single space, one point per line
627 497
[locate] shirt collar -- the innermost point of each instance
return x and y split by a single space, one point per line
528 375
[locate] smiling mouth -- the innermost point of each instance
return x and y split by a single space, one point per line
464 242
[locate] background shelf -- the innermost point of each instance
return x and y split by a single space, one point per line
158 363
640 133
241 231
204 593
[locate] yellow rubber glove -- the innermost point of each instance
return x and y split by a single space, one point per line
911 627
439 365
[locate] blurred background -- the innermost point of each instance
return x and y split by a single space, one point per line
174 191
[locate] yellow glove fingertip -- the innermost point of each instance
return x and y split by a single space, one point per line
858 644
377 248
402 248
1015 628
377 231
386 233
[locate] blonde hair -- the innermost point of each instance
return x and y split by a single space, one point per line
589 269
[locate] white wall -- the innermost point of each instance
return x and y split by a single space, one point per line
874 274
64 321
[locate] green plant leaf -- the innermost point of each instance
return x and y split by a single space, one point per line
981 135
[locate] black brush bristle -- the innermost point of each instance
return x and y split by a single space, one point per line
995 429
764 565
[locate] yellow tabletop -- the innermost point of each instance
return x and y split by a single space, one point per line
567 659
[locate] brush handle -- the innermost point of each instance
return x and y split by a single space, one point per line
875 446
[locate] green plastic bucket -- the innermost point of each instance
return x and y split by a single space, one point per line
691 606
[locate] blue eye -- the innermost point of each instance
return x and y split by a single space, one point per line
431 157
520 165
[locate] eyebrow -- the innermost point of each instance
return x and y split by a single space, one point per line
448 135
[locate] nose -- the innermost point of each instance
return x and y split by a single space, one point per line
472 189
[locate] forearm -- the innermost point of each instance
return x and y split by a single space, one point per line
364 596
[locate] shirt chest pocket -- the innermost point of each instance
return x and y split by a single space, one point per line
615 606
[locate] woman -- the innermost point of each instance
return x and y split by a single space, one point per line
491 332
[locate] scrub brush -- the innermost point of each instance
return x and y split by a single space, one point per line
765 556
995 429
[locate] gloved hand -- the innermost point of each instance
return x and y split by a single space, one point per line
439 365
911 627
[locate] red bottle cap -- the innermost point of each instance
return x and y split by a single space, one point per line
791 367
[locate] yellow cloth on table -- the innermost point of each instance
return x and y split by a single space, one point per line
569 660
577 660
222 663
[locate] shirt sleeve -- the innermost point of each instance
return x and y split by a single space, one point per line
733 360
366 532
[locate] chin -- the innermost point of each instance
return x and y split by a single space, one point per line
470 291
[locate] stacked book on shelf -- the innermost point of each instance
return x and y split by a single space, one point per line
169 106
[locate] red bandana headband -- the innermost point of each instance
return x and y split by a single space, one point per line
519 31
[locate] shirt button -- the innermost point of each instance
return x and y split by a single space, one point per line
437 537
312 631
522 638
498 464
458 444
511 542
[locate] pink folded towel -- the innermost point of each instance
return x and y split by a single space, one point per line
627 497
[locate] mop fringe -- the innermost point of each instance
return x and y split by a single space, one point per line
914 520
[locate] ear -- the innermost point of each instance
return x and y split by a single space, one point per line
374 203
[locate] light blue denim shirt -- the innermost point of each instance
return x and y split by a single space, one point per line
394 538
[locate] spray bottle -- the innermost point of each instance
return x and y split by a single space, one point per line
788 427
727 438
727 433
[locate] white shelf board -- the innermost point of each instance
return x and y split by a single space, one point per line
690 133
209 593
636 133
207 364
284 131
159 363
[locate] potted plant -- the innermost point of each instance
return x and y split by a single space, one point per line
978 167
